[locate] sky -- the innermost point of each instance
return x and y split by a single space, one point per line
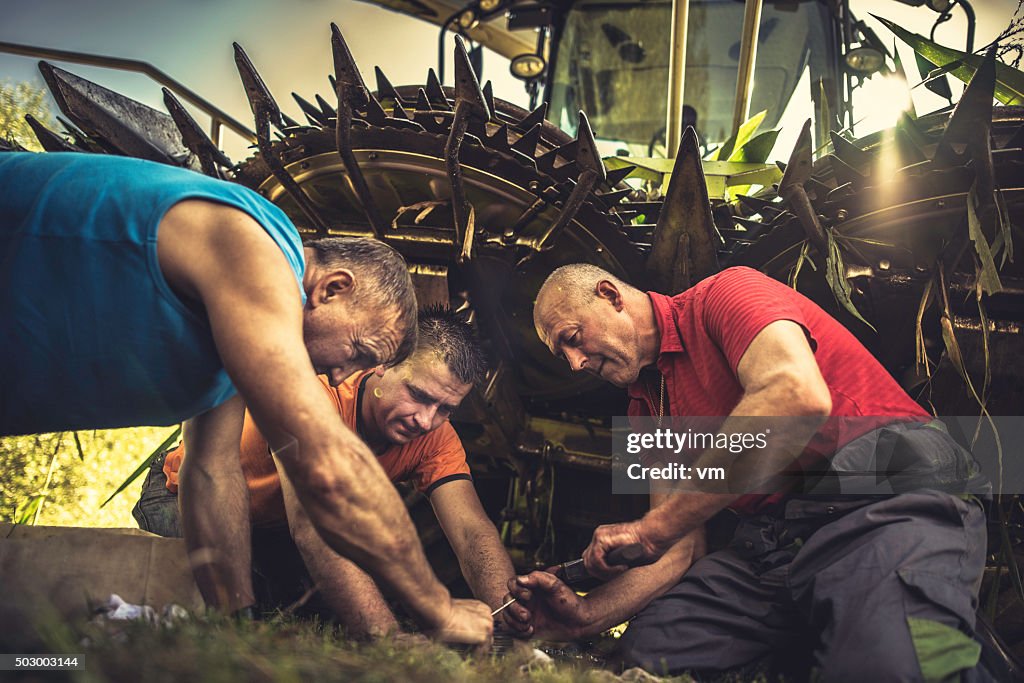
289 42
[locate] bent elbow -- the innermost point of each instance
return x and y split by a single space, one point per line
808 397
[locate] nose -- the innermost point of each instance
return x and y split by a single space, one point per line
577 359
424 418
337 375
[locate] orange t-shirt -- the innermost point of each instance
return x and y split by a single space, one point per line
428 460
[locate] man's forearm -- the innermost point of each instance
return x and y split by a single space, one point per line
348 591
486 566
624 596
358 513
217 536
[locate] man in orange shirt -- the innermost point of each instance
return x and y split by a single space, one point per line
402 415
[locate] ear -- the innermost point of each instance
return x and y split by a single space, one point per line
331 285
609 292
380 370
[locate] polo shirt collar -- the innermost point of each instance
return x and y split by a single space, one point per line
670 341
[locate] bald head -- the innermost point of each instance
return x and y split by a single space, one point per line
574 287
597 322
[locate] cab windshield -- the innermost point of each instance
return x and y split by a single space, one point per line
613 58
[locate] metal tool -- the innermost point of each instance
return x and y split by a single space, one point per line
574 571
499 610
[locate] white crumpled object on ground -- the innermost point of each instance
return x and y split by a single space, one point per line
116 609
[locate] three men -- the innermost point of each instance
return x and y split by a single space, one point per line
402 414
885 585
153 294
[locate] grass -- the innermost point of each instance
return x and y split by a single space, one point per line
220 650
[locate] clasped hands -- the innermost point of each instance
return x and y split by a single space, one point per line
549 609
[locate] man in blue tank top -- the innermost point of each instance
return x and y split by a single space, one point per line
152 294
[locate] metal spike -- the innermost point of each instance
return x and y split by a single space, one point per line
346 73
499 140
422 103
527 143
616 176
971 121
118 124
210 157
352 94
760 206
846 175
375 113
385 91
435 93
851 154
791 189
289 122
591 173
489 98
266 112
533 118
77 136
587 156
615 196
469 104
1017 140
326 108
333 81
315 116
399 112
50 141
753 228
909 152
467 87
262 103
685 244
546 161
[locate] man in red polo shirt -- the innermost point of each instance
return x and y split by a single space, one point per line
878 587
402 415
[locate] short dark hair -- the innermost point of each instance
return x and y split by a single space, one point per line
444 332
385 280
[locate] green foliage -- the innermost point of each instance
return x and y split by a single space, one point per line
1009 81
218 650
17 100
66 481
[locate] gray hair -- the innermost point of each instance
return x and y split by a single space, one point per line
384 278
577 283
444 332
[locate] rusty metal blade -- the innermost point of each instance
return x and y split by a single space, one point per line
435 93
210 157
685 241
262 103
851 154
587 156
315 116
117 123
527 143
616 176
467 87
385 91
533 118
972 117
50 141
346 73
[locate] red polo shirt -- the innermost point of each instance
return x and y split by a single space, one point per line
706 330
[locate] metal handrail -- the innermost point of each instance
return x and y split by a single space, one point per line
218 117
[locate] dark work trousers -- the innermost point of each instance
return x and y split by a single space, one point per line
875 589
279 575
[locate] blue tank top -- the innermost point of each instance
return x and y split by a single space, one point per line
91 336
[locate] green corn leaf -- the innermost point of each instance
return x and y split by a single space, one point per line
78 445
835 275
736 142
28 512
988 275
145 464
757 149
1009 81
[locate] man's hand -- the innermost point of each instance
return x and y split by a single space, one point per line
607 538
469 622
550 609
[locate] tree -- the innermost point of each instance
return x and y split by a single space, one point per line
17 100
